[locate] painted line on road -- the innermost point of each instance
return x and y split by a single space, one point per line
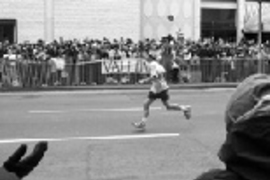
136 109
118 137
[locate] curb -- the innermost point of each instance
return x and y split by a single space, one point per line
120 87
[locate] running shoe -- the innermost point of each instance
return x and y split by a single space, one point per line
187 112
139 125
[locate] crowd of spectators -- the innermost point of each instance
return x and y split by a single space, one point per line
104 48
76 51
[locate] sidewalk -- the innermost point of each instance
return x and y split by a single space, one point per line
122 87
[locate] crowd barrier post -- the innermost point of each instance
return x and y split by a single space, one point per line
195 70
1 72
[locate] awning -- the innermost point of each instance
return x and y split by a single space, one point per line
252 13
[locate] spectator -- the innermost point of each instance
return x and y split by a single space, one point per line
245 151
175 72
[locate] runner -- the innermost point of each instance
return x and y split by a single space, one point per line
159 90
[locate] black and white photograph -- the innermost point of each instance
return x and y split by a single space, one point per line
134 89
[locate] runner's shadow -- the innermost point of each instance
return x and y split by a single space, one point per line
138 131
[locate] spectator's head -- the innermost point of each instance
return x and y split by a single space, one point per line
246 150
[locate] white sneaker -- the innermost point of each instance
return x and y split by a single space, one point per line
139 125
187 112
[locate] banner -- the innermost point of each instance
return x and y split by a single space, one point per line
59 63
130 65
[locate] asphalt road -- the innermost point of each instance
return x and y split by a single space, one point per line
90 134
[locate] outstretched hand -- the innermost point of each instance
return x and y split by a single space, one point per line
23 166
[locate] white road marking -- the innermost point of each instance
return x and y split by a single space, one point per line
136 109
117 137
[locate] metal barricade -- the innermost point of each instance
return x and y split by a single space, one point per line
26 73
229 69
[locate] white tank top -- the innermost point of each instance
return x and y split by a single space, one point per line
159 84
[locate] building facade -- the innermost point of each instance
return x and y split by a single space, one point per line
30 20
163 17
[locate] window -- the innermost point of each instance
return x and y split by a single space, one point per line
7 30
218 23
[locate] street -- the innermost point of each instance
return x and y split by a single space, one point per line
90 134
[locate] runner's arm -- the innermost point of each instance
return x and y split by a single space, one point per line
150 79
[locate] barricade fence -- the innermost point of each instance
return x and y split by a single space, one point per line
56 72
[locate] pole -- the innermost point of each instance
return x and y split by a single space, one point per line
49 20
240 19
260 63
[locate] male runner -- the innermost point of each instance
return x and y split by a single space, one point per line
159 90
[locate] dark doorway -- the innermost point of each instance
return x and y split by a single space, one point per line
254 36
7 30
218 23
